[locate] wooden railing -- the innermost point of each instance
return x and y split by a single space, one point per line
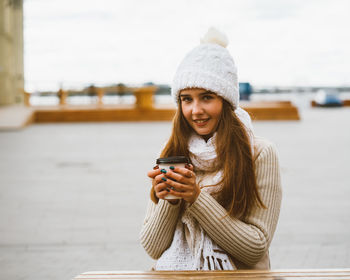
144 95
143 109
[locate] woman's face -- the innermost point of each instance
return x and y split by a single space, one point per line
202 110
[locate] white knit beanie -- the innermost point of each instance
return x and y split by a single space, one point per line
209 66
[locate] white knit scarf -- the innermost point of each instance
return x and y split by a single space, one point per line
204 153
207 254
192 248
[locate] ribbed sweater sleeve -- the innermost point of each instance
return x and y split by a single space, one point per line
247 240
158 228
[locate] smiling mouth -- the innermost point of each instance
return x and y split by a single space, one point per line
201 121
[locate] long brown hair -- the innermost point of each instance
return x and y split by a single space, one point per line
239 194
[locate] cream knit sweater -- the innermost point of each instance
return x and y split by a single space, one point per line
246 241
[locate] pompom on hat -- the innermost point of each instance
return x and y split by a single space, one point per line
209 66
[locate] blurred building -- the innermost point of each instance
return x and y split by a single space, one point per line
11 52
245 90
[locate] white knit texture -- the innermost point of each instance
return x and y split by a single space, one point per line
214 36
209 66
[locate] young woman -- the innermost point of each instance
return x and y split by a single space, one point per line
230 194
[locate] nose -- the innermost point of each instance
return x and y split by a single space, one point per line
197 108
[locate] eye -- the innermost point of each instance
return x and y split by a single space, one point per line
207 97
186 99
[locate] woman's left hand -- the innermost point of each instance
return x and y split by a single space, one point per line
185 185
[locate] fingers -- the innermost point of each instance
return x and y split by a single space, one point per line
161 190
189 166
178 181
181 179
185 195
179 174
159 187
162 194
161 178
181 187
153 173
187 171
190 195
167 186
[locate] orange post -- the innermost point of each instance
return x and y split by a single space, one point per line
144 97
62 95
100 94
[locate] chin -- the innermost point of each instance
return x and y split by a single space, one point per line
205 135
203 132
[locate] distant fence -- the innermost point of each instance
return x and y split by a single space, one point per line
143 109
144 95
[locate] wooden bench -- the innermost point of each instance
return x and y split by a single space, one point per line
105 113
313 274
279 110
272 110
346 102
143 110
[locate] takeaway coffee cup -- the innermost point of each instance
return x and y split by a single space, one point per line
165 163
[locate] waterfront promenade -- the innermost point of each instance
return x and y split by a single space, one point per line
73 196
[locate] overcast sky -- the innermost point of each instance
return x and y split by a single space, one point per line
274 42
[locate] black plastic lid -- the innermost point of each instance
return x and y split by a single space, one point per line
177 159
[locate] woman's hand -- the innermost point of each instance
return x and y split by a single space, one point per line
185 186
159 188
181 182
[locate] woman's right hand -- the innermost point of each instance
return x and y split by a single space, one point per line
161 189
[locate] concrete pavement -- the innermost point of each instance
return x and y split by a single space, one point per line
73 196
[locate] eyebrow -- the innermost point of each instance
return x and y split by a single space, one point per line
202 93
